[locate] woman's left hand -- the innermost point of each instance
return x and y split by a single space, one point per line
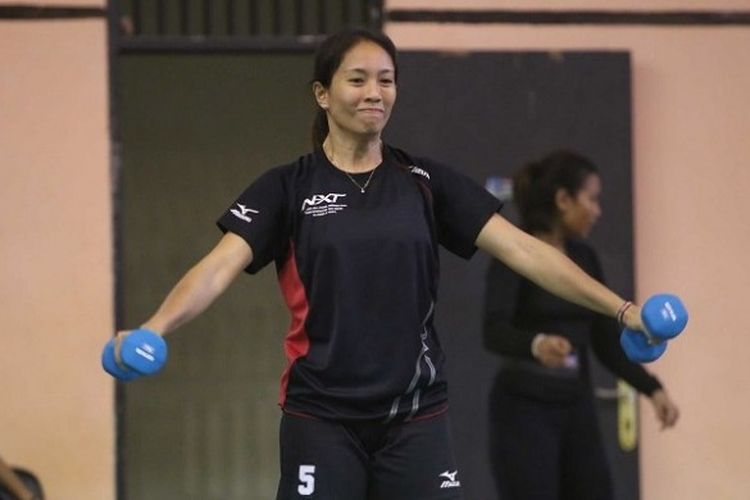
666 410
632 318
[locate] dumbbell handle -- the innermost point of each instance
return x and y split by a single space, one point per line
640 346
651 339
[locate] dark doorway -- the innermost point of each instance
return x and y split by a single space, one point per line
487 114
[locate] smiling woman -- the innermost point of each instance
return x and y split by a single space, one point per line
354 228
355 89
361 94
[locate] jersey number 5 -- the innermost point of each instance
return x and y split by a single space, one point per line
306 479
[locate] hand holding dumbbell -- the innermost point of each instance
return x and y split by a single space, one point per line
134 354
664 317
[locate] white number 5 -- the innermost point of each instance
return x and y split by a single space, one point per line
307 480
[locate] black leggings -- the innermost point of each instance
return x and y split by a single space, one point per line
547 450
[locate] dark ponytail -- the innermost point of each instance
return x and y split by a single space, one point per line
328 58
536 184
320 127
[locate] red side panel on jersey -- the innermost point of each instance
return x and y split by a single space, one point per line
296 343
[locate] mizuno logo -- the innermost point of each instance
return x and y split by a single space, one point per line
450 476
416 170
241 212
450 481
317 199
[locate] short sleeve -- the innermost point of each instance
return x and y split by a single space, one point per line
258 216
462 208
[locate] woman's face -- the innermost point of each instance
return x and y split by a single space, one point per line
579 213
362 91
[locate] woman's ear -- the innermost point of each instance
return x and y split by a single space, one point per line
563 200
321 94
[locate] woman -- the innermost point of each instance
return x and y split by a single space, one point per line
353 229
545 443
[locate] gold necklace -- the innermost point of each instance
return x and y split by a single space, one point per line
362 187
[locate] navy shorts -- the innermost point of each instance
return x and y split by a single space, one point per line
327 460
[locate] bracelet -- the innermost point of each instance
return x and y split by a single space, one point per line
621 311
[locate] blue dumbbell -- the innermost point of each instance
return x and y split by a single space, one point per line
664 317
142 352
110 365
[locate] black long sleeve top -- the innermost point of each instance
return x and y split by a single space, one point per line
516 310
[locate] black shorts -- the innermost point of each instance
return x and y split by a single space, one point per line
326 460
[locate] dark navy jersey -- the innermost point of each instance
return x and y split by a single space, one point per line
359 273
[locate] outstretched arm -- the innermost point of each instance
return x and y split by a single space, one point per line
202 284
550 269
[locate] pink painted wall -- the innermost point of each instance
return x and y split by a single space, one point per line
712 5
692 194
56 277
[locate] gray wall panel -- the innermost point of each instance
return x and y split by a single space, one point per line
195 131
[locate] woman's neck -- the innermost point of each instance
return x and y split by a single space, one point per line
351 155
554 237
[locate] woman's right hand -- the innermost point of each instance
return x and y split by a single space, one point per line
666 411
552 350
119 337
